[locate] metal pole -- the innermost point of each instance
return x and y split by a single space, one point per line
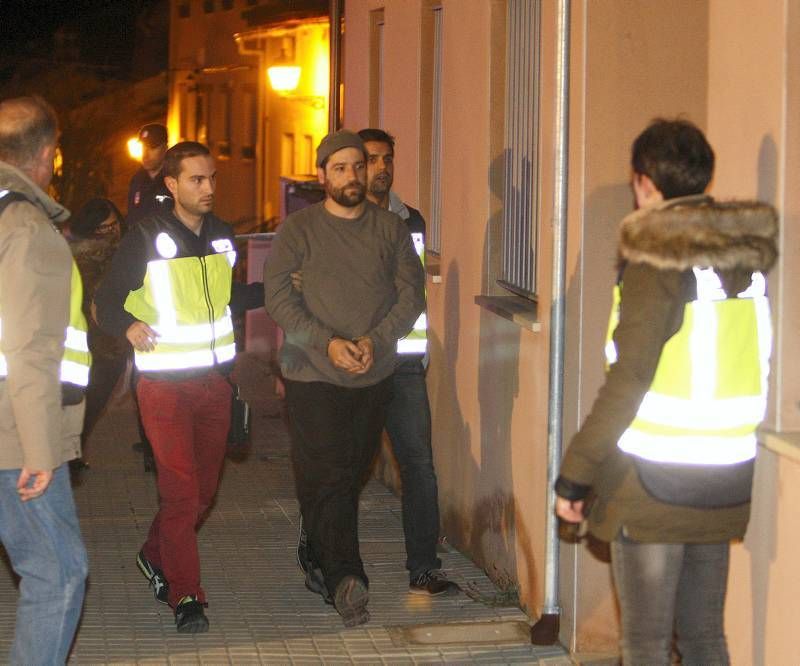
334 103
260 158
545 631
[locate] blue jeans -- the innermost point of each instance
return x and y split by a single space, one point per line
408 422
671 587
43 541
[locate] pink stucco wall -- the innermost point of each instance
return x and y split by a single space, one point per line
728 65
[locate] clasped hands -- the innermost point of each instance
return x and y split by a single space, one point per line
354 356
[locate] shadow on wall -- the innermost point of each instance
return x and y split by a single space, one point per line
760 543
760 540
588 302
487 524
767 170
451 433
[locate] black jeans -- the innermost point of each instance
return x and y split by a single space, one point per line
103 377
335 433
408 423
666 587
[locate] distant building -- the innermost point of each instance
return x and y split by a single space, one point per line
220 94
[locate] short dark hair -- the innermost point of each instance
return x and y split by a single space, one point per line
373 134
27 124
91 215
675 155
179 152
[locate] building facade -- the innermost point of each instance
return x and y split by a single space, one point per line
468 87
220 94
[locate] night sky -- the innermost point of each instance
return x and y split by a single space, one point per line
105 28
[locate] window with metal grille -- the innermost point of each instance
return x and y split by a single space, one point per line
520 195
433 242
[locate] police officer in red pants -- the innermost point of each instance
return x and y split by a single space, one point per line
170 292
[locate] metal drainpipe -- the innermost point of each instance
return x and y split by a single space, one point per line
261 81
335 19
545 631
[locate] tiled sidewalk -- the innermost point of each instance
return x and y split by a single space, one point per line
259 609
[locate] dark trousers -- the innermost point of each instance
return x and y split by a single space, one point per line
103 377
671 587
187 422
335 433
408 423
147 448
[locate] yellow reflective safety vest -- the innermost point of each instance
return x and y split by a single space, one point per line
185 300
709 391
416 342
77 360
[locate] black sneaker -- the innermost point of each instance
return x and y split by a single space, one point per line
190 617
351 600
433 583
316 584
302 549
155 577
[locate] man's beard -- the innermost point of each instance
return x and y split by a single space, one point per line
380 184
347 199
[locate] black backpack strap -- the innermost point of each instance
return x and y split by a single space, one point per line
9 197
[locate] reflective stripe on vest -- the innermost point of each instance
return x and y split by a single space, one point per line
185 301
416 342
77 359
709 392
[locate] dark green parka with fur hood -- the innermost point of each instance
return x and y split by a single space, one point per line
658 247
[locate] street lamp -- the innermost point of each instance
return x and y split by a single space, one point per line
135 148
283 79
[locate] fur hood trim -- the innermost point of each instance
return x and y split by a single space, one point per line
698 231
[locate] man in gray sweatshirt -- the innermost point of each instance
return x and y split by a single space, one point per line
363 289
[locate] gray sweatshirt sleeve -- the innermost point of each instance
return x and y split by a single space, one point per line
285 304
409 281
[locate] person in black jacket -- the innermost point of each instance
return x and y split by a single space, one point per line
94 235
169 290
147 192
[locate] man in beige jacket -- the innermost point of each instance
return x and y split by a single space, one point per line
38 523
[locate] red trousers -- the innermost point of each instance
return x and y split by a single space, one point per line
187 424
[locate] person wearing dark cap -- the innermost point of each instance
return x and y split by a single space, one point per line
363 289
148 194
147 190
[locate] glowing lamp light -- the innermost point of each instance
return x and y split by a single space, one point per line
284 78
135 148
